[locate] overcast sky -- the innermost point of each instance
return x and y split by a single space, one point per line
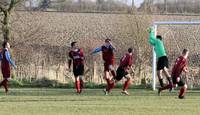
137 2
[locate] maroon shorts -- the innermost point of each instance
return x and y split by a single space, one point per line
5 71
106 66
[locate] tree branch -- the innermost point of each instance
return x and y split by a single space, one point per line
2 9
18 1
12 4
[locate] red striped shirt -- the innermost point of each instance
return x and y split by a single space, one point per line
77 57
179 65
126 61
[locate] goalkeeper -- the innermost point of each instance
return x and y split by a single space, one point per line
162 63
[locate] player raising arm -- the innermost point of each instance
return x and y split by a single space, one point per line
179 66
108 57
162 63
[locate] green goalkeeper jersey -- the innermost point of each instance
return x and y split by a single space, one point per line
158 45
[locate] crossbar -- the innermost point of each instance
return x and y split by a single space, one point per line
155 26
177 23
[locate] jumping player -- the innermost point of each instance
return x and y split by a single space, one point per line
162 63
5 65
179 66
76 55
108 58
123 71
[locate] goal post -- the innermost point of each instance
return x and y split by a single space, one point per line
155 26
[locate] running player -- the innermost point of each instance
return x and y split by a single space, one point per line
179 66
162 63
108 58
5 65
123 71
76 55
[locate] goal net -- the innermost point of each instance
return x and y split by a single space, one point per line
176 37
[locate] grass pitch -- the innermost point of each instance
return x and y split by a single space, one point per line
93 102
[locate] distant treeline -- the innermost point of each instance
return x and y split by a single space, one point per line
113 6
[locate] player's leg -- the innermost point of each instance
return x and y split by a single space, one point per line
107 68
107 77
112 70
160 77
112 82
183 89
169 78
112 85
119 75
6 85
1 83
77 84
106 73
166 72
81 83
126 84
182 92
6 76
108 81
77 81
78 73
169 86
162 66
81 74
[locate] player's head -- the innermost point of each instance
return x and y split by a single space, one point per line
159 37
6 44
107 41
74 45
185 53
130 50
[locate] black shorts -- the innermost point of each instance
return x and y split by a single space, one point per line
78 70
120 73
162 63
180 83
